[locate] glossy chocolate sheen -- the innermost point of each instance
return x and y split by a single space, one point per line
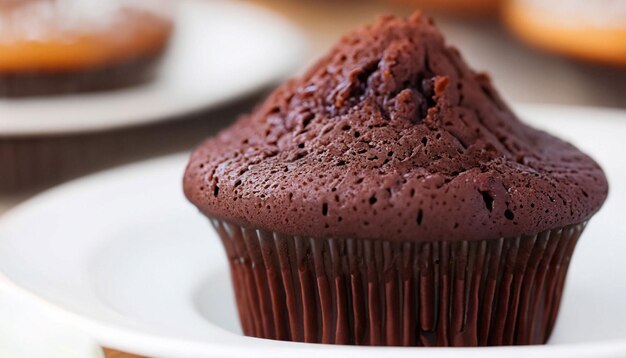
392 136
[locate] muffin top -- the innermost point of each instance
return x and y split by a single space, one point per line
392 136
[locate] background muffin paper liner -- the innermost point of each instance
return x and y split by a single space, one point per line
114 76
505 291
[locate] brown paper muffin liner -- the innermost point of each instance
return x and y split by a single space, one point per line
345 291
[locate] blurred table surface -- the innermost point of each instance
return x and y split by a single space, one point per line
520 73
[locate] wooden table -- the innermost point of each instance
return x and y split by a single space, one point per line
110 353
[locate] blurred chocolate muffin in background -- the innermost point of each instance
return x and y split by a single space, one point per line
462 7
592 31
65 46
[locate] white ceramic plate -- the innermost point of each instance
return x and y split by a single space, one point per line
127 259
34 332
221 50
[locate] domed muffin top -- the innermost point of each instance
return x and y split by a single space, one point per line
392 136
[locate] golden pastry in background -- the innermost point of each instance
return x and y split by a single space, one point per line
62 46
462 7
593 31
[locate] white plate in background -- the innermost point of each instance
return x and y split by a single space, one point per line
221 50
122 255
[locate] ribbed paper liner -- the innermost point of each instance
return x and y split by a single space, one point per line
467 293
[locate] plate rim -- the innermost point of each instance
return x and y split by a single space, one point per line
111 336
51 318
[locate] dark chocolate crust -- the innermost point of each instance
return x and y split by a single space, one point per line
118 75
392 136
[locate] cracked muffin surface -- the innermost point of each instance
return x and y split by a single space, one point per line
392 136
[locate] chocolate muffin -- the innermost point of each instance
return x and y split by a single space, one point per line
389 197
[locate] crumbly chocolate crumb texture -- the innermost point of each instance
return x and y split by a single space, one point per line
392 135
